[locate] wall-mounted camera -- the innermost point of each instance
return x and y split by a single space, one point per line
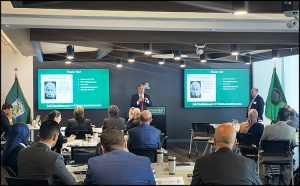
293 22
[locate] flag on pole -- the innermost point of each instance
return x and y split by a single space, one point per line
275 99
21 110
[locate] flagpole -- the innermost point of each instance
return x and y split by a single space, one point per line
16 78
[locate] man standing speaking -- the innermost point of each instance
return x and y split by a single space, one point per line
256 103
140 99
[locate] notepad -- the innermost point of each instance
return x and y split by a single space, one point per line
170 181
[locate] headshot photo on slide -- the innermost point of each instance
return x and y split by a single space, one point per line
195 89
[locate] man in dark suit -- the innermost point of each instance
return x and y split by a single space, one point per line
114 120
39 162
257 103
225 167
5 125
144 136
117 166
140 99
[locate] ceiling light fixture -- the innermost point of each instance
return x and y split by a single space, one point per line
203 58
182 63
177 55
148 48
234 49
240 7
68 62
119 64
248 59
70 52
161 62
131 57
275 54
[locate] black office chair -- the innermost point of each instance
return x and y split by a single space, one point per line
148 152
163 140
276 152
199 133
81 155
10 172
246 145
26 181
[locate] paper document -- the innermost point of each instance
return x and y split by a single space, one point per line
170 181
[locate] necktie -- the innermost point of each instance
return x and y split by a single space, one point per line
142 105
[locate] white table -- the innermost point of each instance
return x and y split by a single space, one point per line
181 171
33 128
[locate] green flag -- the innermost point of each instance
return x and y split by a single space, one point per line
21 110
275 99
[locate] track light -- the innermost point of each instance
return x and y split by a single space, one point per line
182 63
148 48
248 59
177 55
119 64
234 49
161 62
240 7
70 52
131 57
275 54
203 58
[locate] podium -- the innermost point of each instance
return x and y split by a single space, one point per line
159 118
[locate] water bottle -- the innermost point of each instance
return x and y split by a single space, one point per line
172 165
159 156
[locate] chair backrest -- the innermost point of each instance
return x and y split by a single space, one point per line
276 147
200 127
245 139
148 152
10 172
25 181
82 154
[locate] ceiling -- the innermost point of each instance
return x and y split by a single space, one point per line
108 30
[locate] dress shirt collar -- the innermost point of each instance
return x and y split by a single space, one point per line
45 144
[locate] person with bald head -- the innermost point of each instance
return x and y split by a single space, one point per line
144 136
225 167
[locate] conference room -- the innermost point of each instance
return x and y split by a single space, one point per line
189 67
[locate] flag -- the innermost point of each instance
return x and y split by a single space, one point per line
275 99
21 110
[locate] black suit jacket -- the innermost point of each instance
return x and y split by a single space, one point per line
5 125
78 124
135 98
114 122
225 167
258 105
12 159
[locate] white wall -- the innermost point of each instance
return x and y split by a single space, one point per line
287 69
10 61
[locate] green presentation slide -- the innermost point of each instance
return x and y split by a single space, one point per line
68 88
216 88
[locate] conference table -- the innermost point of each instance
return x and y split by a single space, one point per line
161 173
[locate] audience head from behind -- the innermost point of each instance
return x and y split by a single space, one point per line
49 132
136 113
79 112
113 110
146 117
225 137
7 108
54 115
112 139
252 116
283 114
286 106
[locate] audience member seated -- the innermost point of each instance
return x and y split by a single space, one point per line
114 121
252 126
280 131
39 162
144 136
117 166
225 167
77 124
134 121
17 139
5 125
293 119
56 116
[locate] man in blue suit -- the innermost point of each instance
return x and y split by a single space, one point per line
144 136
140 99
117 166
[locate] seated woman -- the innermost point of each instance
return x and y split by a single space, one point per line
79 125
134 121
56 116
252 126
17 139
